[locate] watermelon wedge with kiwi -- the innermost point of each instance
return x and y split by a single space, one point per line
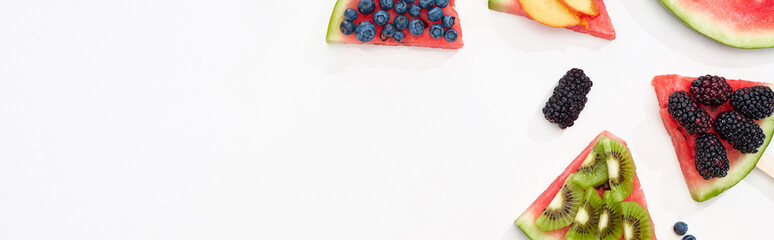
741 24
598 26
335 34
528 221
739 164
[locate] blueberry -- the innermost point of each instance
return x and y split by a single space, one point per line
416 27
409 1
366 6
435 14
401 22
451 35
436 31
388 29
365 31
350 14
448 21
347 27
401 7
689 237
386 4
442 3
681 228
398 36
414 10
381 17
427 4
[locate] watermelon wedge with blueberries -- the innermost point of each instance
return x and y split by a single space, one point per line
741 24
594 20
422 23
598 196
719 128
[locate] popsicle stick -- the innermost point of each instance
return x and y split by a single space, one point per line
766 164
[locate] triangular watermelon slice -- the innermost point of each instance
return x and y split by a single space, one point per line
335 34
739 164
598 26
527 220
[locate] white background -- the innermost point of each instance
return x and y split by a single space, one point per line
162 119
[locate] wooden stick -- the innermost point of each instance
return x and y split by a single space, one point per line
766 164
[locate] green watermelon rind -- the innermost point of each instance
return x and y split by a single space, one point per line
334 34
529 227
716 31
744 167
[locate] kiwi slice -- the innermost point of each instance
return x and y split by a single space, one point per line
593 170
584 226
620 169
609 226
635 221
561 211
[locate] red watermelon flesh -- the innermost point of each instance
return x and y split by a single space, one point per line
527 219
739 164
334 34
598 26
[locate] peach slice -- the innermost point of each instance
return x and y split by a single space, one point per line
587 7
550 12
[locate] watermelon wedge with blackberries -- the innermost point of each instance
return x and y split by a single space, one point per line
719 128
570 207
421 23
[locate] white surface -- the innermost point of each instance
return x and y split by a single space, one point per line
235 120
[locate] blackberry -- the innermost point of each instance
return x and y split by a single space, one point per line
710 157
754 102
688 113
568 99
739 131
711 90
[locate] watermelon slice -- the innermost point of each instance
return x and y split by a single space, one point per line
335 35
739 164
527 219
598 26
741 24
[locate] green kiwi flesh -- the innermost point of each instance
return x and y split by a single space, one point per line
561 211
620 169
609 226
635 221
593 170
584 226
